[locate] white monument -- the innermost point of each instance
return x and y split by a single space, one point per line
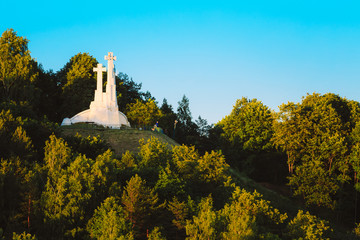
104 109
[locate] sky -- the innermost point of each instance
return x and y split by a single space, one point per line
214 52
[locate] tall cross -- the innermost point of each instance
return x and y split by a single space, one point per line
110 57
99 71
111 72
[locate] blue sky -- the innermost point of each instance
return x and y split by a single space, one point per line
214 52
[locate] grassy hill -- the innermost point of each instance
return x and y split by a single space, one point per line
120 140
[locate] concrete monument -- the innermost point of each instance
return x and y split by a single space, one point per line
104 109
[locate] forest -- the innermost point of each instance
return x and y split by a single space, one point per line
256 174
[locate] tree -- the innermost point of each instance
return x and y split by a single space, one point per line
155 234
139 204
17 69
143 113
308 227
49 94
109 222
315 136
168 118
204 224
78 82
248 216
128 91
212 167
23 236
249 125
186 129
183 111
153 153
14 140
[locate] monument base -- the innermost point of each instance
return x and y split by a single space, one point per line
99 115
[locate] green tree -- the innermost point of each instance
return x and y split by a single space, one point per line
168 118
91 146
204 224
127 91
57 155
109 222
14 140
143 114
77 81
155 234
249 125
104 170
248 216
182 211
23 236
308 227
17 69
139 203
186 162
315 136
186 130
212 167
169 184
154 153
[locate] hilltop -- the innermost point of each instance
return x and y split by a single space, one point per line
120 140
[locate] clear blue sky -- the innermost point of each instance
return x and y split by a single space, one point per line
214 52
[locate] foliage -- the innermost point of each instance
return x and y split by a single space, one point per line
14 140
182 211
244 136
308 227
90 146
249 125
17 71
356 230
109 222
186 130
128 91
77 81
154 153
143 113
140 203
315 136
23 236
212 167
155 234
168 118
75 188
203 225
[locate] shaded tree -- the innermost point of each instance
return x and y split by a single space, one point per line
308 227
139 203
186 129
128 91
77 81
168 118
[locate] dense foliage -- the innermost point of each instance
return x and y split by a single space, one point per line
74 187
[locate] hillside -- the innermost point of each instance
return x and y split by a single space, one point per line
120 140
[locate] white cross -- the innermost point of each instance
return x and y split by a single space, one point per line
110 57
99 71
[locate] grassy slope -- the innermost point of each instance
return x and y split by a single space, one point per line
120 140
